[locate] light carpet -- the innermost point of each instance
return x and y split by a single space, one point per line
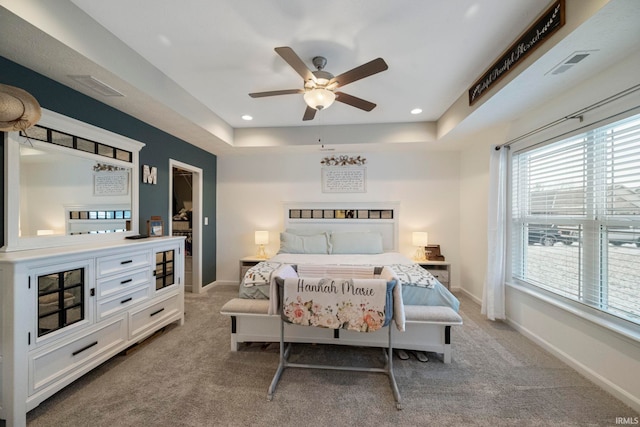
187 376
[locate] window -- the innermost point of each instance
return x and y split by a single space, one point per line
575 218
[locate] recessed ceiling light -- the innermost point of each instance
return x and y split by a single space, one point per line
416 111
247 117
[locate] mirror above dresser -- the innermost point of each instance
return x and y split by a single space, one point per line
68 182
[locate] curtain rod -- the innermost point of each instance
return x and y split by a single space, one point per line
578 115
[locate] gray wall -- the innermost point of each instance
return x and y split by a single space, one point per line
160 147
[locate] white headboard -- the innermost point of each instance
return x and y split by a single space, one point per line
382 217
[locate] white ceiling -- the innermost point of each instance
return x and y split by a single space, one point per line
187 66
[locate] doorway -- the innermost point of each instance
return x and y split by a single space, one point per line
185 211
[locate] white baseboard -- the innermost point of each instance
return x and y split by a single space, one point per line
225 283
470 295
590 374
208 286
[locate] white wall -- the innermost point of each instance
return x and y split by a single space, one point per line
607 358
253 187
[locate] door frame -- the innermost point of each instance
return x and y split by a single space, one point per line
196 219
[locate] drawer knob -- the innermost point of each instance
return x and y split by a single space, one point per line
126 281
126 262
126 300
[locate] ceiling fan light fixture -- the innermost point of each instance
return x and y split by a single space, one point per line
319 98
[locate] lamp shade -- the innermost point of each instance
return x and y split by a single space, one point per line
420 238
262 237
319 98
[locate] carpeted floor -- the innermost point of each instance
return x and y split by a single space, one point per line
188 377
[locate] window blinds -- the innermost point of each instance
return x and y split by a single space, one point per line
576 218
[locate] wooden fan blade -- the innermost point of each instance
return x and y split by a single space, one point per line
276 92
354 101
309 114
365 70
295 62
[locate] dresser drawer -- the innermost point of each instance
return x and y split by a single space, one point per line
121 263
153 316
132 279
58 362
123 301
441 275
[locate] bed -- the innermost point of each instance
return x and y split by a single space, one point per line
360 243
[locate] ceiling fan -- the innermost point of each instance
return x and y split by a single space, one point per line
320 86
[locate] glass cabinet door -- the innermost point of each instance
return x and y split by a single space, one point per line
60 300
164 272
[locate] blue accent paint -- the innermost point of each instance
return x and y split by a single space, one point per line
160 147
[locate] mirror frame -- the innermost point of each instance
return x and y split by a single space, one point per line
53 120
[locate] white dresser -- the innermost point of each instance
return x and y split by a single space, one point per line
66 310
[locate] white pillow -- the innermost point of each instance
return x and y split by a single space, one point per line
356 242
294 244
305 231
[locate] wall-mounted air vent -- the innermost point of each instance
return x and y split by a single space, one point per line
96 85
569 62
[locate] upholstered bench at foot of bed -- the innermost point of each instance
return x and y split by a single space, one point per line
445 316
428 328
241 307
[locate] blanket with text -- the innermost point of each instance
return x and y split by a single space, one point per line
363 305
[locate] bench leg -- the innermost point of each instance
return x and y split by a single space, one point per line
447 344
234 340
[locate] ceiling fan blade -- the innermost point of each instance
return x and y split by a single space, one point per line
365 70
354 101
309 114
276 92
295 62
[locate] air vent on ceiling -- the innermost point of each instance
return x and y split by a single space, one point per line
568 63
96 85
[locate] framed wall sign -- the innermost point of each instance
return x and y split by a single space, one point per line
539 32
111 183
350 179
344 174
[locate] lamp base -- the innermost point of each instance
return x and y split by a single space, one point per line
420 254
261 252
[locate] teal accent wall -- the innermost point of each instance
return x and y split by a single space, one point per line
159 148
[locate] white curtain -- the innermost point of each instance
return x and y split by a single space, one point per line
494 282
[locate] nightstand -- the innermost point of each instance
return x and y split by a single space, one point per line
246 263
441 270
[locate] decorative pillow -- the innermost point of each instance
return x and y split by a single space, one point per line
356 242
294 244
306 231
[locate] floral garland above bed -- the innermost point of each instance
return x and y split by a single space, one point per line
343 161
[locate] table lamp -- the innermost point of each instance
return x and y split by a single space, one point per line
420 239
261 239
